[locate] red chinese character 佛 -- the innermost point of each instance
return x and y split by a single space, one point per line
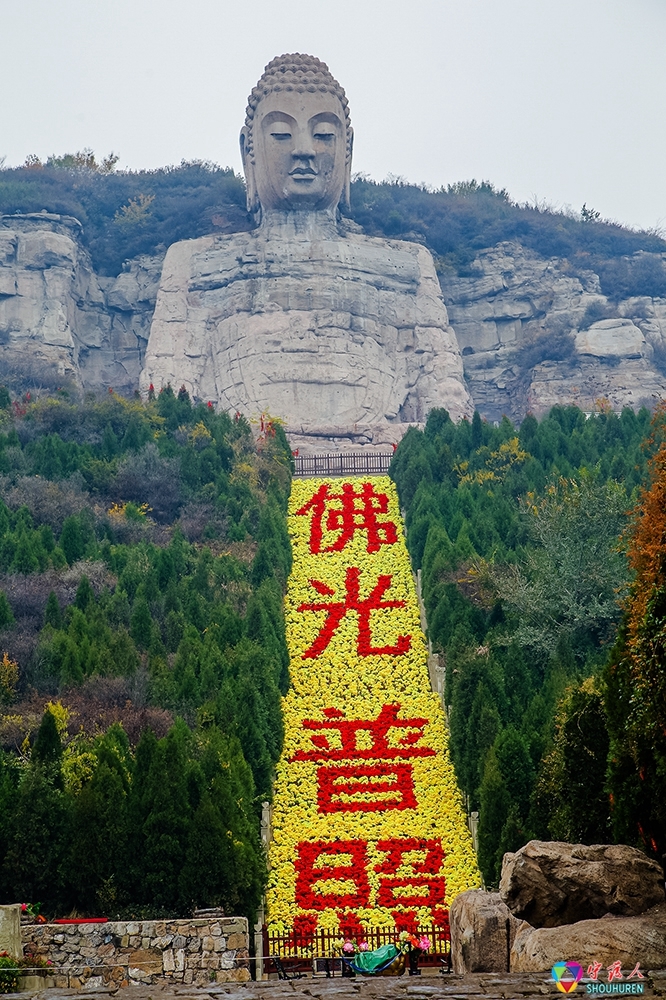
347 512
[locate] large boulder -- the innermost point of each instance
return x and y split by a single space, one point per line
628 939
549 883
10 930
482 932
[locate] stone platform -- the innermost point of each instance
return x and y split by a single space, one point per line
489 986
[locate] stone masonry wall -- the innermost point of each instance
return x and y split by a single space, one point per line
185 951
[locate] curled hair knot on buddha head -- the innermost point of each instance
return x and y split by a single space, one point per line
292 73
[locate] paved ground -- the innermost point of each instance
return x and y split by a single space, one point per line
481 985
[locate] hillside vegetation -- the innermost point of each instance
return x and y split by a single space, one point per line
143 556
126 213
517 535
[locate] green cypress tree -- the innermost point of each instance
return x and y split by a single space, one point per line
52 612
99 836
25 558
6 615
84 594
209 859
141 623
167 824
38 841
71 539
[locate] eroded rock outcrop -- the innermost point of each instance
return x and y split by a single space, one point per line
59 322
627 939
534 334
483 930
550 883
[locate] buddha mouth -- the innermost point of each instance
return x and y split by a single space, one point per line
303 174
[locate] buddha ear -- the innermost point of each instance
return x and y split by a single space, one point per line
248 169
346 191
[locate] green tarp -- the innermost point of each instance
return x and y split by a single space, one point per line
374 961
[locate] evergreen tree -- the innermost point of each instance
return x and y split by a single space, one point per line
6 615
52 612
167 824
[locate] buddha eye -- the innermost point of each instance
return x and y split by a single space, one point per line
324 135
281 134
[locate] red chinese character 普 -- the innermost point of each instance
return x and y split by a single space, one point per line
341 788
346 513
336 611
594 970
636 971
615 971
316 865
378 729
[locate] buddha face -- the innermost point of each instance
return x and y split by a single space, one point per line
299 143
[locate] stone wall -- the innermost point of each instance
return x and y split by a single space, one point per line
185 951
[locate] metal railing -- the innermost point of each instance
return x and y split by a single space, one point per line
302 954
343 464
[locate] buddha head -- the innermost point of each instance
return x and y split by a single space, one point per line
296 144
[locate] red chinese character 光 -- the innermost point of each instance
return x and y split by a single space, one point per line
315 866
336 611
340 788
636 971
594 970
357 511
615 971
428 887
378 729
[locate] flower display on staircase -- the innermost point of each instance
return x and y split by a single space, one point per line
368 825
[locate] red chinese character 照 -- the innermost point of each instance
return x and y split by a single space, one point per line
341 787
615 971
357 511
378 729
336 611
422 885
317 864
636 971
594 970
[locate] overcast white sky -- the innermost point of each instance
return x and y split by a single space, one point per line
564 100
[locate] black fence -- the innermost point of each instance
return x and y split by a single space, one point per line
343 464
309 955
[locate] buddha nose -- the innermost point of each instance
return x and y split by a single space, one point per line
303 152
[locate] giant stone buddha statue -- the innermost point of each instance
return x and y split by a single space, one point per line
343 336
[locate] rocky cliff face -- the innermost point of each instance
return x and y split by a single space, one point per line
60 323
532 332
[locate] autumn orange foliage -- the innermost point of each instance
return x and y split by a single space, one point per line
646 551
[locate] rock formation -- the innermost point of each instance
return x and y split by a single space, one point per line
550 883
609 939
342 335
483 930
526 327
59 322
